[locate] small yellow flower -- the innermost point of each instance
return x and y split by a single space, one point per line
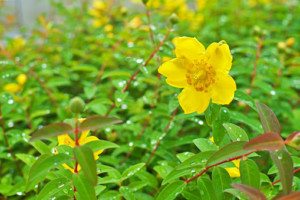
21 79
290 41
135 22
203 74
84 139
234 172
108 28
12 88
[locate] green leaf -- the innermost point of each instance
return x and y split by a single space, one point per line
198 160
184 156
26 158
236 193
212 113
206 188
176 173
52 188
268 119
245 98
41 147
221 181
132 170
253 123
231 150
235 132
116 73
204 144
250 174
95 122
101 145
127 193
51 131
171 191
252 193
267 141
284 163
84 188
85 157
41 167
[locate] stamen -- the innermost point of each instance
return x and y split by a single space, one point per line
201 75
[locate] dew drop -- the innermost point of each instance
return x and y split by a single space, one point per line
130 144
273 92
200 122
139 60
19 193
119 100
10 101
10 124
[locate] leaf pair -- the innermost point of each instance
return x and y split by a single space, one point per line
91 123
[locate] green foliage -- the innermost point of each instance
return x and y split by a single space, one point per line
135 141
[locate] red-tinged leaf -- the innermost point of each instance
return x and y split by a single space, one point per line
51 130
292 196
294 140
268 119
229 151
267 141
284 163
253 194
95 122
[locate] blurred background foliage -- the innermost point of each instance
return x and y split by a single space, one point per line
91 49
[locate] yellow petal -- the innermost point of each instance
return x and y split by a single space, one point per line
223 89
21 79
233 172
175 73
187 47
219 56
97 153
68 167
89 139
193 101
65 140
236 163
12 88
83 137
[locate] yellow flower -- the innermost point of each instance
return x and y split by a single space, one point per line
21 79
108 28
135 22
203 74
84 139
290 41
234 172
12 88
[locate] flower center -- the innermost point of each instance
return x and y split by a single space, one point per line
201 75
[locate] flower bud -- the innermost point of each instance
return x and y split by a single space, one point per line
145 1
173 19
77 105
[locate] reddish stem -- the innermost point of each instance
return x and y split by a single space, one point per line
76 133
148 14
294 172
159 140
134 75
219 163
